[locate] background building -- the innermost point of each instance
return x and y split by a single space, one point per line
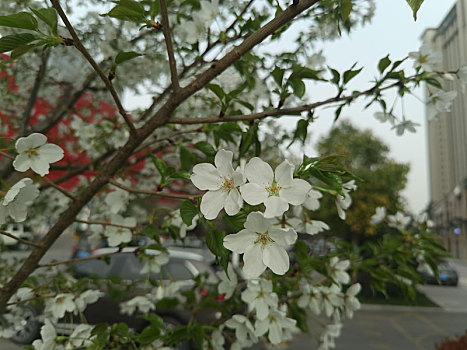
447 136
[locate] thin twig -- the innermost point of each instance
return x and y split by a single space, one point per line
103 223
168 138
70 261
32 244
155 193
169 45
278 111
78 44
58 188
34 92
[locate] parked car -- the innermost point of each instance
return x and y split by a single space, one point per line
447 275
19 230
182 266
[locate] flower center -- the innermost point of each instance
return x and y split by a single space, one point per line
422 59
263 239
273 189
32 153
228 184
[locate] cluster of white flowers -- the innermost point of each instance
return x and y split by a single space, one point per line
196 29
62 303
121 231
17 200
344 202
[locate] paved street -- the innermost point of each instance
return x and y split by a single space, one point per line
375 327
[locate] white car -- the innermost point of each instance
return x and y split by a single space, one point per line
18 230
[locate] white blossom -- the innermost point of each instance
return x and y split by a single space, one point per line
244 331
426 58
276 189
48 335
351 302
260 297
378 216
442 100
405 125
262 244
385 117
221 182
327 338
331 301
154 263
228 284
141 303
303 224
399 220
277 325
311 297
338 269
117 200
345 201
35 153
312 199
87 297
17 199
59 305
121 233
80 337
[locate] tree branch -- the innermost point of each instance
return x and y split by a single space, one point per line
155 193
32 244
103 223
33 96
77 43
169 45
71 261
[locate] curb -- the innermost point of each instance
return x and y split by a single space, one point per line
402 308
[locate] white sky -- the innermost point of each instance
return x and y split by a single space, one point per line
392 31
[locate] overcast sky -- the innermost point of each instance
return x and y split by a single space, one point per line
392 31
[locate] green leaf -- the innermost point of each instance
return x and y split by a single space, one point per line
350 74
336 77
18 52
383 64
14 41
346 9
188 211
197 334
185 175
21 20
301 131
415 6
215 243
186 158
125 56
298 87
434 82
127 10
217 90
247 139
237 221
160 165
278 75
48 16
206 148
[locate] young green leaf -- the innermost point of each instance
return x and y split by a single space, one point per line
48 16
125 56
350 74
415 6
188 211
278 75
383 64
23 20
127 10
206 148
217 90
160 165
14 41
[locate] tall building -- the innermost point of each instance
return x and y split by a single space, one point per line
447 136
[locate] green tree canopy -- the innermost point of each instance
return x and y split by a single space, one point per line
380 179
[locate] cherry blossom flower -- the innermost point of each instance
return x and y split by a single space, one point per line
275 189
244 331
87 297
221 182
331 302
312 199
17 199
425 58
405 125
217 340
344 202
385 117
378 216
59 305
399 221
228 284
154 263
327 338
35 153
262 244
141 303
303 224
48 335
311 297
118 199
120 233
259 297
442 100
351 302
276 324
80 337
338 269
175 219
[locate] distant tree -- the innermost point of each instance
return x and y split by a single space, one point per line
380 179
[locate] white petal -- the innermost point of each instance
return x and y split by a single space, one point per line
259 172
253 262
32 141
233 202
283 237
256 222
253 194
261 327
21 162
284 173
223 161
50 153
206 177
240 241
212 203
276 258
275 206
275 333
296 193
39 166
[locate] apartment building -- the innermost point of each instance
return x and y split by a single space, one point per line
447 137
